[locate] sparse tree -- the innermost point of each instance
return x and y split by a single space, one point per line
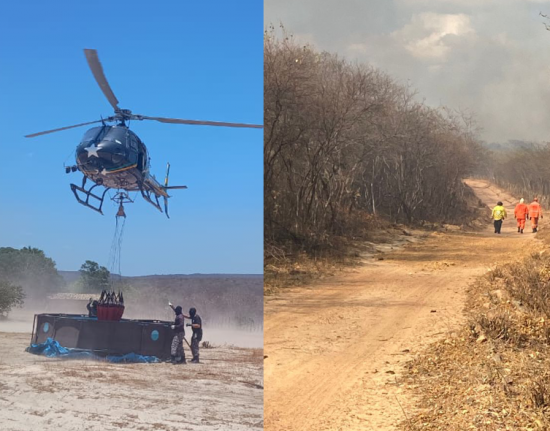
94 278
10 296
344 141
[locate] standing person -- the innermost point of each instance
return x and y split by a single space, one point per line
535 212
92 308
176 350
196 324
521 212
498 215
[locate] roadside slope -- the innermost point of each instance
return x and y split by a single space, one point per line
333 349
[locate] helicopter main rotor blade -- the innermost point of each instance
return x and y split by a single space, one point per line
199 123
97 70
62 128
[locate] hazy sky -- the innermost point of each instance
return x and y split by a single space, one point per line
195 60
491 57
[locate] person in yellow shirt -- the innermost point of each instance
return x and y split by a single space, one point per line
498 215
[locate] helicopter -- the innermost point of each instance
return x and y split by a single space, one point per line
114 157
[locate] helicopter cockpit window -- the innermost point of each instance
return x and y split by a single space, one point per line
117 135
94 134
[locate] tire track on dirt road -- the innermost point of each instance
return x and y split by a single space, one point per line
333 349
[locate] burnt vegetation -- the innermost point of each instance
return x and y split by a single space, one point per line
524 169
346 145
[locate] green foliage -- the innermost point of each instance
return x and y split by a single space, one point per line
94 278
29 268
10 296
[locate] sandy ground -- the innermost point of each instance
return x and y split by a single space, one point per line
225 392
334 350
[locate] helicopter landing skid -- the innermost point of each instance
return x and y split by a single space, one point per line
88 194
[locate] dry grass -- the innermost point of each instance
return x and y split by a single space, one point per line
296 270
284 266
492 374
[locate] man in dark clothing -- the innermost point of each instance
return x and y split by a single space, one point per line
92 308
196 324
176 351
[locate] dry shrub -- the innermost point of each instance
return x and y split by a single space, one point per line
495 273
498 327
499 380
528 282
298 269
540 392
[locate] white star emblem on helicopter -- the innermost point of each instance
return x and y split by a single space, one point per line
92 151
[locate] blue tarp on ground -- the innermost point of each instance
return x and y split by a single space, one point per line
52 349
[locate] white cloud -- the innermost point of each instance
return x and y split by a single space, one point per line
426 36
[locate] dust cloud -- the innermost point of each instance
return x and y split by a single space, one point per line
220 326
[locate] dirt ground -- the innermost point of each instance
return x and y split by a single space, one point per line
225 392
334 351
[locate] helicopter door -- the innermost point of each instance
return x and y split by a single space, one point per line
135 150
142 158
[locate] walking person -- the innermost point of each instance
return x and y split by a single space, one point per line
535 212
196 325
498 215
176 349
521 212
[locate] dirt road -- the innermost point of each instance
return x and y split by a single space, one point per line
38 393
333 350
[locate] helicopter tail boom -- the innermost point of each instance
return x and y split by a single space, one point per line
152 190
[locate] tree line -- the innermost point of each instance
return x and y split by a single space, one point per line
27 273
346 141
524 170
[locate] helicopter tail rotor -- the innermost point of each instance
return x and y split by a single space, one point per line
167 187
167 174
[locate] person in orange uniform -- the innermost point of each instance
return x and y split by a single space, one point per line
520 214
535 212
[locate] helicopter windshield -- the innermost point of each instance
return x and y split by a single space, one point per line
94 134
116 134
